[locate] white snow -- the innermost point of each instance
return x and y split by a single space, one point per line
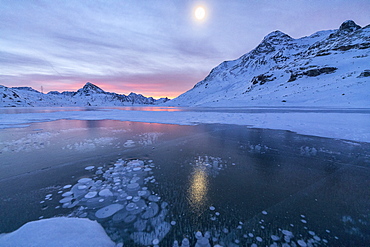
58 232
279 72
346 123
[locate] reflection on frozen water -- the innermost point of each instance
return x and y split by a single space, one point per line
197 193
237 186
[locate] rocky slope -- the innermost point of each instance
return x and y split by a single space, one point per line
328 68
89 95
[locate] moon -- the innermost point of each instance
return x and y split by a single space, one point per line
200 13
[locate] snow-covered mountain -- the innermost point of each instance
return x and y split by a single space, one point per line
328 68
89 95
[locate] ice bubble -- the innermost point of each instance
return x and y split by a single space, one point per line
175 244
89 168
259 239
129 143
301 243
153 198
48 195
136 199
317 238
212 208
136 169
84 180
198 235
202 242
130 218
142 193
67 186
304 221
217 213
42 202
173 222
156 241
303 216
185 243
147 169
164 205
254 245
287 239
328 231
131 206
68 193
264 212
82 187
129 197
250 235
120 216
312 233
150 211
101 200
108 210
133 187
275 238
66 199
239 227
91 194
105 193
287 233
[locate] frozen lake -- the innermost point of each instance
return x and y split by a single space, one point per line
243 185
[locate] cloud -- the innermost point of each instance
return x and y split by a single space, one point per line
148 47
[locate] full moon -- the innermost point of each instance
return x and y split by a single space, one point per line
200 13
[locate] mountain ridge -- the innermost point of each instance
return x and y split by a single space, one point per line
286 71
88 95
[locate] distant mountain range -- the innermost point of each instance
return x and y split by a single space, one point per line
328 68
89 95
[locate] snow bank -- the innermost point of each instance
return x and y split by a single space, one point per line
348 124
58 232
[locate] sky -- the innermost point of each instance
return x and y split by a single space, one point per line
153 47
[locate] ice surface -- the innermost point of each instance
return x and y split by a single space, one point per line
316 121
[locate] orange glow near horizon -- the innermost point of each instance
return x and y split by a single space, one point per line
138 89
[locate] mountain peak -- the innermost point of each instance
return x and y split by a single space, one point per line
89 88
276 37
349 25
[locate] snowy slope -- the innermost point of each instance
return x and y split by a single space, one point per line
328 68
89 95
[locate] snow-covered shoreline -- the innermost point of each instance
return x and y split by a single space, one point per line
348 125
